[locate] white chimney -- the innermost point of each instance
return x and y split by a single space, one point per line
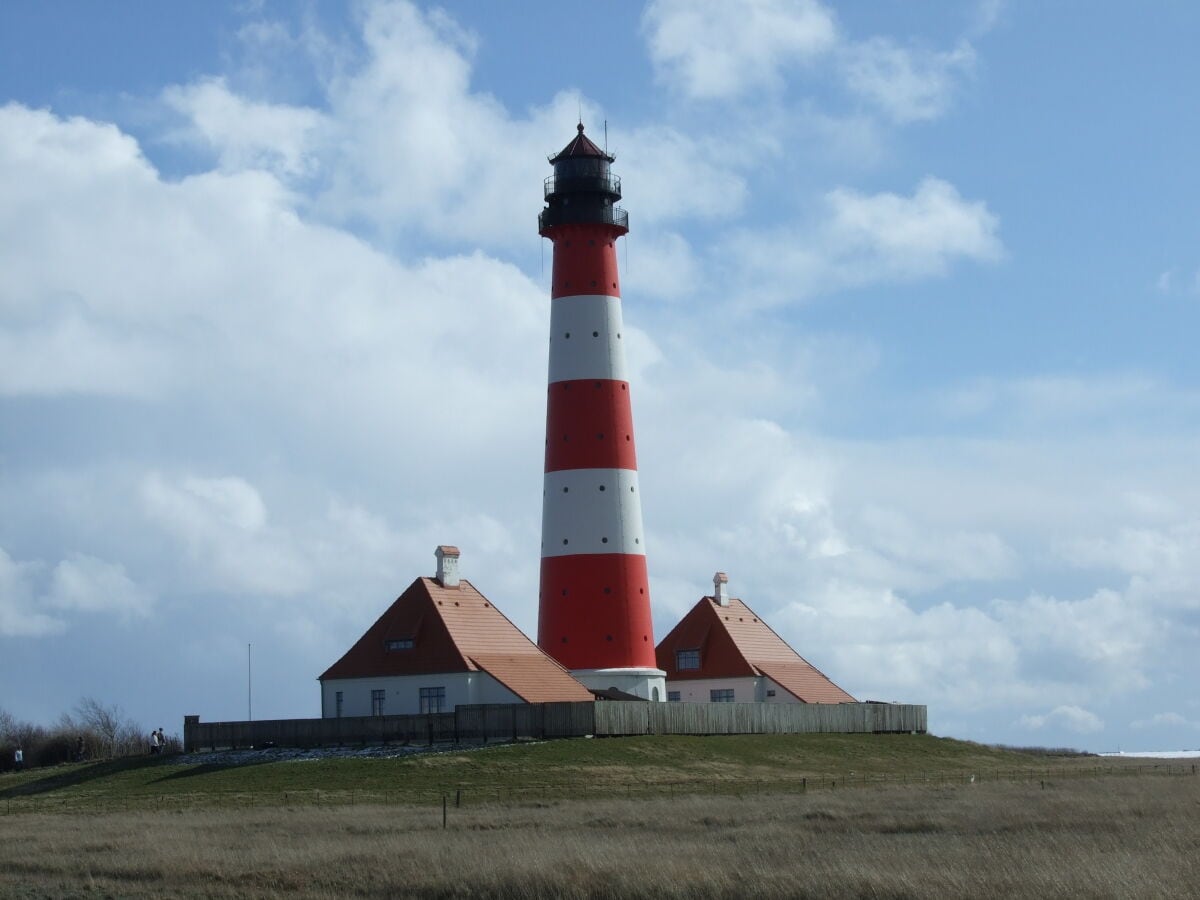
721 589
447 562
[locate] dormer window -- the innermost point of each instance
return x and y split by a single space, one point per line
398 644
687 659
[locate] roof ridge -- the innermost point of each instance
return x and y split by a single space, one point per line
715 608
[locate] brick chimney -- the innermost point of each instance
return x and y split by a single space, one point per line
721 589
447 565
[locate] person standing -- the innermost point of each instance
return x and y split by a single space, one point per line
19 759
155 746
162 740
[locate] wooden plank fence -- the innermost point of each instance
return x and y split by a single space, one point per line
630 718
516 721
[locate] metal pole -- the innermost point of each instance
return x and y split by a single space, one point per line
249 683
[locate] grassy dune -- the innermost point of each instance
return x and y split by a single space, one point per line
647 766
1078 837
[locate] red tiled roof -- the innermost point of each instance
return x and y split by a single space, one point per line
734 642
456 629
529 677
803 680
580 145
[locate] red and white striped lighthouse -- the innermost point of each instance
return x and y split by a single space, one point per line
594 609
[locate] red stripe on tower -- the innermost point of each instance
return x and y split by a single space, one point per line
594 607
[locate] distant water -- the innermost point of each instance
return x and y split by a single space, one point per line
1156 754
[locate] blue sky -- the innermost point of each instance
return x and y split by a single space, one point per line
912 293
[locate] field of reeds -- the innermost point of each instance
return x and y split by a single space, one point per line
1084 837
722 816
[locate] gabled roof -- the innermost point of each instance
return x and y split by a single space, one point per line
734 642
456 629
580 145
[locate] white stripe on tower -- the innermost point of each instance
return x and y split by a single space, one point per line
585 338
592 511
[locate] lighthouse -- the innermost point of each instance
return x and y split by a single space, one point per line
594 602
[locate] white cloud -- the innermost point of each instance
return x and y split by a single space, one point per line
222 523
716 50
79 583
1163 563
915 236
249 135
1167 720
1040 399
864 239
682 176
407 146
873 642
724 51
988 14
87 584
1070 718
19 612
1107 635
907 85
662 265
960 657
72 352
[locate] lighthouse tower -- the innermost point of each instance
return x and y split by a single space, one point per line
594 608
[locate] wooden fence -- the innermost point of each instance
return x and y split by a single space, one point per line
514 721
627 718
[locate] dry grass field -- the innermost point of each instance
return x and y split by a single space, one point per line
1090 837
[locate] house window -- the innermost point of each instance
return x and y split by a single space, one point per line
687 659
433 699
399 644
723 695
337 700
672 696
377 702
771 693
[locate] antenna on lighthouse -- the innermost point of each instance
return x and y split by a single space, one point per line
606 137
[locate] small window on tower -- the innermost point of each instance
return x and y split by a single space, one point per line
687 659
398 644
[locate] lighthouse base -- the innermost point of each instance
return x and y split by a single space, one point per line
649 684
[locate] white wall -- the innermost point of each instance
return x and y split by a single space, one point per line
639 682
696 690
745 690
403 695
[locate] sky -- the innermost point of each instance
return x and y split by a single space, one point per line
912 293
